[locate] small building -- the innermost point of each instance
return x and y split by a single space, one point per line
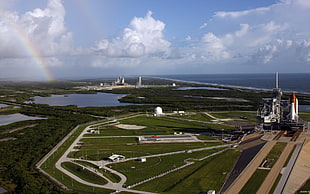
116 158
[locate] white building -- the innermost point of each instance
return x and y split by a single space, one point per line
142 159
116 158
211 192
158 111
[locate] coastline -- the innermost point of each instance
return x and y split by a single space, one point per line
225 85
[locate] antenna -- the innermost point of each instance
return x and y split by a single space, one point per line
277 80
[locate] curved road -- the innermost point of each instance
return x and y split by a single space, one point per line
110 185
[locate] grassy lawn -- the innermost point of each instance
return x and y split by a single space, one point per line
275 183
195 116
254 182
157 165
208 137
129 148
99 148
304 115
154 126
249 115
274 154
166 125
111 176
199 177
84 173
49 167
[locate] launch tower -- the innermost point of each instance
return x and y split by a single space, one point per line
271 112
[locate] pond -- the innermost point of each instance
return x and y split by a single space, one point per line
304 108
200 88
12 118
82 100
219 98
3 105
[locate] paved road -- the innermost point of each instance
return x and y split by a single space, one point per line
276 169
110 185
243 178
64 158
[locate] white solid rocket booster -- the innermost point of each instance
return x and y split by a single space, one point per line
293 115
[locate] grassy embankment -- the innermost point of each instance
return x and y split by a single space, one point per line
202 176
259 175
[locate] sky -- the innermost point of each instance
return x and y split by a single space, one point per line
56 39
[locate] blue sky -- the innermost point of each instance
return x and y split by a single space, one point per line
93 38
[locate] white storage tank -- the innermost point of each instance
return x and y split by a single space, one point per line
158 111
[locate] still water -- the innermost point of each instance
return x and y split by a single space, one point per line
82 100
12 118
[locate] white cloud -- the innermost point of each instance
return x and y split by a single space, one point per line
143 36
38 32
237 14
214 47
203 25
244 29
247 40
273 35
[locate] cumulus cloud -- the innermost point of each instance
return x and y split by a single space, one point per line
274 35
38 32
215 47
143 36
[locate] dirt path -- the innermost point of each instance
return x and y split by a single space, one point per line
250 169
276 169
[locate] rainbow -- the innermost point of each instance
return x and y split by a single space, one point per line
31 49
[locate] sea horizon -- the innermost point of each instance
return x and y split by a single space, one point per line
288 82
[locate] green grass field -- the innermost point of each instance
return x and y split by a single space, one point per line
254 182
85 174
98 149
157 165
111 176
259 176
199 177
248 116
274 154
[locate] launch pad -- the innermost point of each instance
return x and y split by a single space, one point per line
278 114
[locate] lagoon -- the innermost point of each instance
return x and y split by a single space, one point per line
82 100
200 88
12 118
3 105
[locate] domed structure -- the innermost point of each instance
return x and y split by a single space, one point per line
158 111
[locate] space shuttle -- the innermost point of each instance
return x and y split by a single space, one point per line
293 109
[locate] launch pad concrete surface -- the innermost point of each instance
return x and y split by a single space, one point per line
298 172
301 170
250 169
276 169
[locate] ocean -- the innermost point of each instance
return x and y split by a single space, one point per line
294 82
